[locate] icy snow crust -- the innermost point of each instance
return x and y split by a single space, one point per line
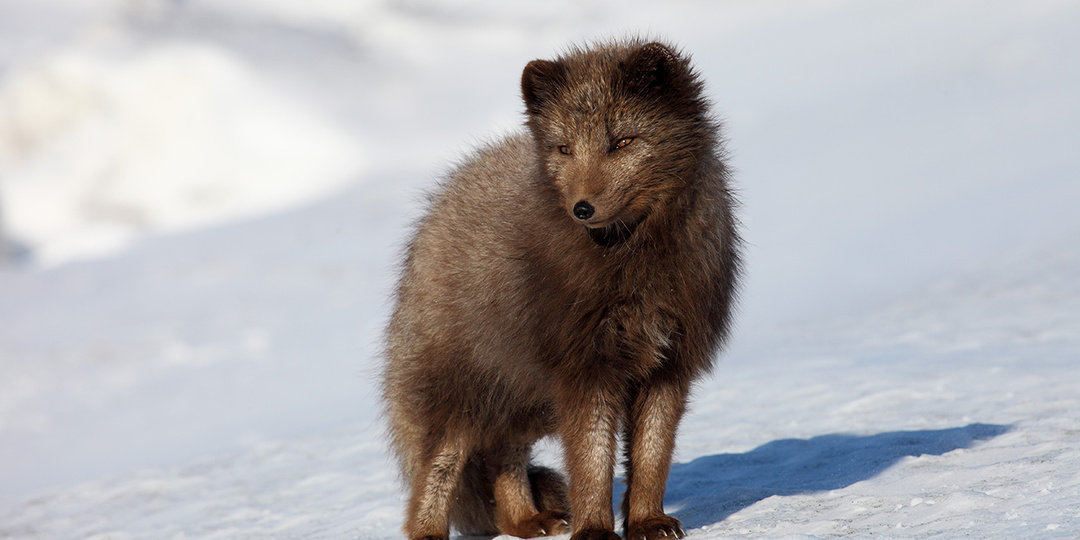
204 202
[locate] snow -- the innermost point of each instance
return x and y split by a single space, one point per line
206 201
85 133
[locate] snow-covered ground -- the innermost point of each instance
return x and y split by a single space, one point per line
203 202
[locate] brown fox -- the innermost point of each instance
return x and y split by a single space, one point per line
573 281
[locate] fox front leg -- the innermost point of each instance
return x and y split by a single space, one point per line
427 516
653 416
588 424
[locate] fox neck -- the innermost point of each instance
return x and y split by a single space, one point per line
616 233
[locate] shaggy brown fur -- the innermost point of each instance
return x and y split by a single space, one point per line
570 281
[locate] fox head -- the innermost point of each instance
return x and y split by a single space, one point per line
619 129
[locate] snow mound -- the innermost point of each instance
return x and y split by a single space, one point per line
97 149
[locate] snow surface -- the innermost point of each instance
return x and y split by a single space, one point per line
202 204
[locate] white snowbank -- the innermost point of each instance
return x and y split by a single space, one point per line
98 149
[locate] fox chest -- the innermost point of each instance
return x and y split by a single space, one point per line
631 323
630 336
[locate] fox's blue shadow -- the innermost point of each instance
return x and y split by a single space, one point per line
711 488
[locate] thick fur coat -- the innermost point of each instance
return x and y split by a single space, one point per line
572 280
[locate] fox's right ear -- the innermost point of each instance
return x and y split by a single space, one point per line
539 83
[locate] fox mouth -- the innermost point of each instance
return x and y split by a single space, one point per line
614 233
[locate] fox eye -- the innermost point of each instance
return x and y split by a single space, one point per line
623 142
564 150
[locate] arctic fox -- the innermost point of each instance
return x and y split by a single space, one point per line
572 280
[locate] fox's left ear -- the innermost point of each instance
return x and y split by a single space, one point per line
540 82
654 67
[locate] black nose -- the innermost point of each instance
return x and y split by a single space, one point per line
583 210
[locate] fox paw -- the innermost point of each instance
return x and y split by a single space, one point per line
595 534
658 527
548 523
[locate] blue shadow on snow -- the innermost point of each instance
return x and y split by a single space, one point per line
709 489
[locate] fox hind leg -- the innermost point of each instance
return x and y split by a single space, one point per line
501 493
528 502
473 510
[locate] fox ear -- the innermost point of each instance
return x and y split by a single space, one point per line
539 83
652 67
